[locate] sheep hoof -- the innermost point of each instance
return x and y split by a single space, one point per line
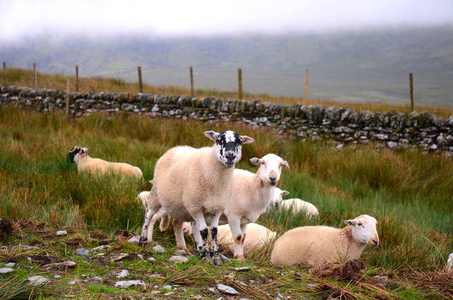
143 241
239 257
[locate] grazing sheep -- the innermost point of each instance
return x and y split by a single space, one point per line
297 205
194 185
98 166
316 245
257 236
450 263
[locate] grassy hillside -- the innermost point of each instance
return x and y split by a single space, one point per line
408 192
365 66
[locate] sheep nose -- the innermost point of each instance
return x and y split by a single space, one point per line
376 243
273 180
230 156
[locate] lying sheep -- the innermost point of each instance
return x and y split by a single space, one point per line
315 245
297 205
98 166
194 185
257 236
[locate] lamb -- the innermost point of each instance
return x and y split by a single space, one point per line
98 166
251 194
295 204
315 245
194 185
257 236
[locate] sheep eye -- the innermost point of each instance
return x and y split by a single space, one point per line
360 224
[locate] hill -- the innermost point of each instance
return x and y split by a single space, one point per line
370 66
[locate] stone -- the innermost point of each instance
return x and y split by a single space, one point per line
122 274
178 259
134 239
159 249
37 279
227 290
62 232
126 284
83 252
6 270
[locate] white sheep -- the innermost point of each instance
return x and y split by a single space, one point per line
257 236
315 245
98 166
194 185
450 263
295 204
252 193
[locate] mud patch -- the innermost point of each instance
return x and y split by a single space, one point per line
349 271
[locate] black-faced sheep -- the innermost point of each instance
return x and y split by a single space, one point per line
315 245
97 166
194 185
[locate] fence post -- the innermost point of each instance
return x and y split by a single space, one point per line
411 86
77 78
192 92
35 80
140 84
240 84
4 73
68 114
306 87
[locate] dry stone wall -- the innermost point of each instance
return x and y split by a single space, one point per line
340 125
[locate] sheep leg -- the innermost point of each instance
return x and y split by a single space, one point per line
200 233
238 234
214 249
179 235
145 228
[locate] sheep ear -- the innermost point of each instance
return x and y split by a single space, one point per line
247 139
350 222
152 182
211 134
255 161
285 193
284 164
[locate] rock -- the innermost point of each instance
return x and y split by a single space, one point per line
392 145
178 259
227 290
100 248
118 256
159 249
62 232
6 270
83 252
151 259
134 239
126 284
123 274
10 265
37 279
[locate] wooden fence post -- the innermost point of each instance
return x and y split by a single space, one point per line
68 114
4 73
240 84
140 83
192 91
306 87
35 80
77 78
411 86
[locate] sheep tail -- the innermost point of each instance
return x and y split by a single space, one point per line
164 222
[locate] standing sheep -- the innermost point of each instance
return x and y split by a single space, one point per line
295 204
315 245
98 166
251 194
194 185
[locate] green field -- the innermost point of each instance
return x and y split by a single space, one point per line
408 192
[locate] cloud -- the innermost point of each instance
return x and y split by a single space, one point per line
202 17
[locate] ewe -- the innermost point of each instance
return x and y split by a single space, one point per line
297 205
251 194
98 166
315 245
194 185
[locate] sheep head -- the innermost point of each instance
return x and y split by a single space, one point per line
74 151
270 168
228 146
278 196
364 230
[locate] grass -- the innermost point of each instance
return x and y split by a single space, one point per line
20 77
408 191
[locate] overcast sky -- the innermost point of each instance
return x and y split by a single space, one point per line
160 18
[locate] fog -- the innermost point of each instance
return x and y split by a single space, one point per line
99 18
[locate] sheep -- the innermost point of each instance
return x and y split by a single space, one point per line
194 184
257 236
450 263
295 204
315 245
98 166
251 194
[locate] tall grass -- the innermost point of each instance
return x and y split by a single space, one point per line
20 77
409 192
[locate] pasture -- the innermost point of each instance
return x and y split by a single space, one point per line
408 192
